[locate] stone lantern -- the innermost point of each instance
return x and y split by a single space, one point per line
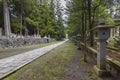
78 40
102 33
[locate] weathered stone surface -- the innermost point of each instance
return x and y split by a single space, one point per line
14 41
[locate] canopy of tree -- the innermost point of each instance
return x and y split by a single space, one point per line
83 15
42 17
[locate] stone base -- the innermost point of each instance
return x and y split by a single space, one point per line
102 73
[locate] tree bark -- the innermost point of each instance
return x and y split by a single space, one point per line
21 24
90 26
6 19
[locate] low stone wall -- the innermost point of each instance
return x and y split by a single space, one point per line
112 65
6 42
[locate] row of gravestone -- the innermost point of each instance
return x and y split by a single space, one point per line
6 42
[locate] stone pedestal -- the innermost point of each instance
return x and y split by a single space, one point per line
101 59
102 72
101 56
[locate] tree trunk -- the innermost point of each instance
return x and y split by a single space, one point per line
21 24
38 31
90 26
9 27
85 30
6 19
82 23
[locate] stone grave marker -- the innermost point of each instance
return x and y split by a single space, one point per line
0 32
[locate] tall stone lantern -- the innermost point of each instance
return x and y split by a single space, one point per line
102 33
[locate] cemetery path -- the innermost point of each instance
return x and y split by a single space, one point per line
13 63
79 70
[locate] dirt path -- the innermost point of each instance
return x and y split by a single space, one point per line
79 70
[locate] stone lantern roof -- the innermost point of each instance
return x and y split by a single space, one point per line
104 26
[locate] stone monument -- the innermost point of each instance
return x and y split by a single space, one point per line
45 39
26 32
102 33
66 36
0 32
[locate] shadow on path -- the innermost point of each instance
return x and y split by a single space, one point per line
79 70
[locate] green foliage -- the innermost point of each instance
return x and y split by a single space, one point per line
84 15
110 21
38 16
74 19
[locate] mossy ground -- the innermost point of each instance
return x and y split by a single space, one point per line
91 74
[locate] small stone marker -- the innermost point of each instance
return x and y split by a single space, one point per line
39 36
66 36
26 32
0 32
45 39
101 35
49 39
35 36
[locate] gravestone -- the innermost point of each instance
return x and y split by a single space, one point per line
26 32
66 36
49 38
45 39
39 36
0 32
102 33
35 36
